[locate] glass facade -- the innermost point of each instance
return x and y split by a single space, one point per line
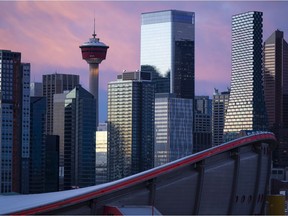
130 125
246 110
167 46
79 139
173 128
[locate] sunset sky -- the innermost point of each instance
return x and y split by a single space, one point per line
48 35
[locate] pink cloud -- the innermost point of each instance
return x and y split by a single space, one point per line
48 34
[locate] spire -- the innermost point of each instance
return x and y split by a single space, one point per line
94 35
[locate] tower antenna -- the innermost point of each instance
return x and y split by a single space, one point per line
94 35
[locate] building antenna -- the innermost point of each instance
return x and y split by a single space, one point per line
94 35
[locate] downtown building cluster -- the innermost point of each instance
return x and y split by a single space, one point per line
51 138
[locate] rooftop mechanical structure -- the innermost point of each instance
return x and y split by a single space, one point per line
94 52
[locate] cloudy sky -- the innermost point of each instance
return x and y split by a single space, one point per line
48 35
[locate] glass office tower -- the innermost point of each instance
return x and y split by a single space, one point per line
246 110
173 128
167 46
79 139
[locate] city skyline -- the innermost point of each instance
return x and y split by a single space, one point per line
49 37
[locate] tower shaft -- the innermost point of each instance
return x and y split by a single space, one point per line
93 85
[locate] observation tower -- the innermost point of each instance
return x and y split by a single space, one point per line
94 52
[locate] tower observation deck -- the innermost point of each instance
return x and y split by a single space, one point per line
94 52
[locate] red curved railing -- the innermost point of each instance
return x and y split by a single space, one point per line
149 174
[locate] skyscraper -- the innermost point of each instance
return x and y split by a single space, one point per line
79 139
167 47
130 124
94 52
173 128
246 110
219 109
202 138
14 123
55 84
276 92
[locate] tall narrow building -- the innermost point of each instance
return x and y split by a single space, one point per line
219 109
130 124
14 123
79 139
246 110
168 48
55 84
276 92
